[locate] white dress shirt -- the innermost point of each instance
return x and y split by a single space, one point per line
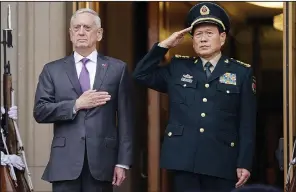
91 67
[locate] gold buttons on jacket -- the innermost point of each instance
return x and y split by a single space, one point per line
201 130
232 144
170 134
207 85
203 114
204 100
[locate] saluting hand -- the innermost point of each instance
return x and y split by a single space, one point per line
174 39
243 176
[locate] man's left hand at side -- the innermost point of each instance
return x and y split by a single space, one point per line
243 175
119 176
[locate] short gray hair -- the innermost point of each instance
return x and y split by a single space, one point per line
90 11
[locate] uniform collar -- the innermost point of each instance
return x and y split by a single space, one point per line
213 61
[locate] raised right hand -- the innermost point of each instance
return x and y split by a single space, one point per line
92 98
174 39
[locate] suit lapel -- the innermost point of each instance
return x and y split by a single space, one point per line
102 67
72 73
221 68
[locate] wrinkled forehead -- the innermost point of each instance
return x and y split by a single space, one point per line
83 19
205 27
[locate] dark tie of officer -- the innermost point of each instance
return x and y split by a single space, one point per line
208 65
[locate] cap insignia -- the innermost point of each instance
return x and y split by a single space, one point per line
204 10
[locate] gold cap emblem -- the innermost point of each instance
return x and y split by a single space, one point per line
204 10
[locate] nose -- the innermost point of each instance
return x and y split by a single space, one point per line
203 37
203 41
81 31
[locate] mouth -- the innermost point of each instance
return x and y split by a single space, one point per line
204 47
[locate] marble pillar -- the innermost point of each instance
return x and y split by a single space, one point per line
39 33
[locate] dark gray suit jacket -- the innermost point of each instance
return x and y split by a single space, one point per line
106 131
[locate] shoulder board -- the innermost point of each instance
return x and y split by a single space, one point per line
240 62
183 57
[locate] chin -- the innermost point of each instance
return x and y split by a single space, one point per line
204 53
81 45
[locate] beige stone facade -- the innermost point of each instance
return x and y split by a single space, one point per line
38 37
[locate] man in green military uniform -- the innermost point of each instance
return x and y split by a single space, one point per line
209 140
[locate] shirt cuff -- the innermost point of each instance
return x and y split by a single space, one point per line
74 111
122 166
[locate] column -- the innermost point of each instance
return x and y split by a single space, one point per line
38 37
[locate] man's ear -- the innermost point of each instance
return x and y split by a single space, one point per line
70 34
222 38
100 34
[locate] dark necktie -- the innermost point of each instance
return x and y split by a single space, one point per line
84 76
207 67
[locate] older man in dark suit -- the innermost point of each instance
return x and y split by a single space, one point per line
87 97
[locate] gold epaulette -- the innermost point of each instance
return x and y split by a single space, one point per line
183 57
240 62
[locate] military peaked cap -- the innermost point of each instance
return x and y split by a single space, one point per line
208 12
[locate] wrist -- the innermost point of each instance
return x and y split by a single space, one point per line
77 106
163 45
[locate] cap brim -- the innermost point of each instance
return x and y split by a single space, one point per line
212 20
